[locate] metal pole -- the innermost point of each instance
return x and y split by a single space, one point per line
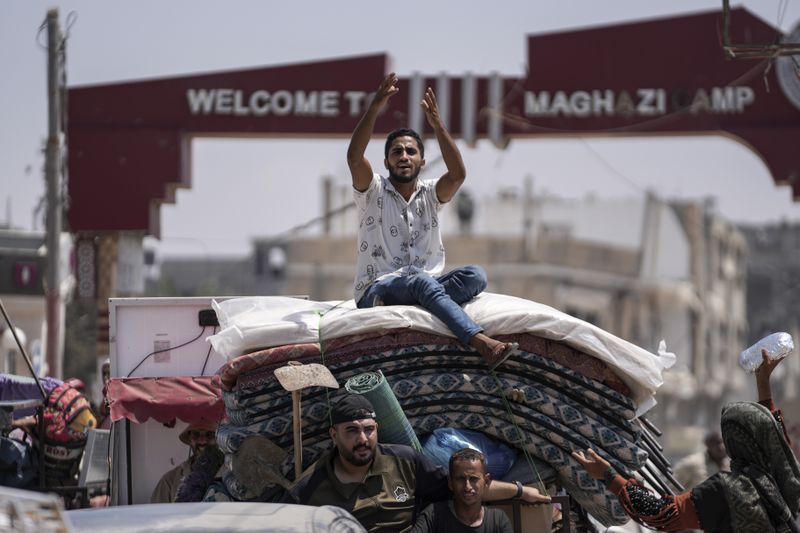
128 478
528 237
327 203
298 434
53 179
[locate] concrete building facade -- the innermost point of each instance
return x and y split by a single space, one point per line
22 270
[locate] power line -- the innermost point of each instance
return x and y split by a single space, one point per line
625 179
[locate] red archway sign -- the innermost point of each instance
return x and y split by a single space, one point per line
129 142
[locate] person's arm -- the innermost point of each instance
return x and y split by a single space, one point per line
666 513
360 169
502 490
764 388
763 374
432 485
25 422
448 184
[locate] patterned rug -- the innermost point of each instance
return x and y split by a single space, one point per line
565 401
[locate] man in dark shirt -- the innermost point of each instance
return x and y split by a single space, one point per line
384 486
469 480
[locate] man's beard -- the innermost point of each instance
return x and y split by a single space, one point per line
404 179
351 458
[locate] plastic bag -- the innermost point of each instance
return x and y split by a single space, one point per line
443 442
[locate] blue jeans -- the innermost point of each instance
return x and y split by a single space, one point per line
442 296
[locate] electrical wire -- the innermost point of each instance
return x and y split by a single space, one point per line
518 87
208 354
287 234
628 181
38 37
72 18
165 350
782 6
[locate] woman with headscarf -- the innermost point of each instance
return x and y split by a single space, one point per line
760 494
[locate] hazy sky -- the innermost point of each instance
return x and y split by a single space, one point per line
247 188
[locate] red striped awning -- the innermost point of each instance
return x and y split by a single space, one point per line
165 399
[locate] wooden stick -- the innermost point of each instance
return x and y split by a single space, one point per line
298 435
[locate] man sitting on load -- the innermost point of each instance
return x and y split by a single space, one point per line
400 257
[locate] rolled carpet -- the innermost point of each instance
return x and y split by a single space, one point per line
394 425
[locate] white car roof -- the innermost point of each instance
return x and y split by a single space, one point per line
207 517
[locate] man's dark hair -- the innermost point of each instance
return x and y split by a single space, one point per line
403 132
468 454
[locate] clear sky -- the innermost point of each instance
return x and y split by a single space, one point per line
247 188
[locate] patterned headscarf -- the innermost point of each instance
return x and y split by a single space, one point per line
763 487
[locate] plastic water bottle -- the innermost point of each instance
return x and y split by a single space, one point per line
778 346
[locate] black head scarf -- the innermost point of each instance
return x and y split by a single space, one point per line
763 487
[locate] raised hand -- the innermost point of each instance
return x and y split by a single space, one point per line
762 374
387 89
360 169
431 109
595 465
764 371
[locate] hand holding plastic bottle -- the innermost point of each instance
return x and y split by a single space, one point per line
767 365
763 373
777 346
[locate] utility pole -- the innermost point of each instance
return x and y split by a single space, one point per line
327 203
53 180
528 219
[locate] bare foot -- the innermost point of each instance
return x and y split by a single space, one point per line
485 345
493 351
